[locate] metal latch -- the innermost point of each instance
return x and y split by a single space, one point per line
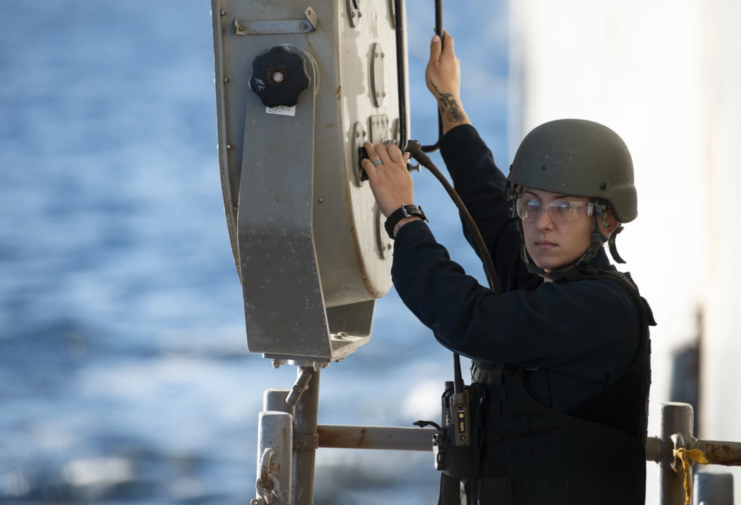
306 25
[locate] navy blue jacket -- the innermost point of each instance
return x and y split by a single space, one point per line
580 336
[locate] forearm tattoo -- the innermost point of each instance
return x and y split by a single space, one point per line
449 106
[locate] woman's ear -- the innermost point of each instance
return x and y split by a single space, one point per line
608 223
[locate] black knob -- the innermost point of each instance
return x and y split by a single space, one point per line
279 77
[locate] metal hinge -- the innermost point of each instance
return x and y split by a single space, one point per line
306 25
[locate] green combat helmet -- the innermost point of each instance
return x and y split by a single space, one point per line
579 158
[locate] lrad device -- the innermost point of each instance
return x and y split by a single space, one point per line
299 88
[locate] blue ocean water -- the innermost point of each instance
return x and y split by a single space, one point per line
124 371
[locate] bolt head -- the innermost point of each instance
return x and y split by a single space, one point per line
241 28
302 26
228 146
222 13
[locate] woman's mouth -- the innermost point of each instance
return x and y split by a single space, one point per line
545 245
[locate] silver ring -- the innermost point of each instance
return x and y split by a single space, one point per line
377 162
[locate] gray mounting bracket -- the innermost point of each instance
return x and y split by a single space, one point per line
378 75
306 25
353 12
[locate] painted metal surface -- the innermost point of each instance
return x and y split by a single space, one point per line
274 454
304 231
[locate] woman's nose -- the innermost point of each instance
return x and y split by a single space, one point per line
544 221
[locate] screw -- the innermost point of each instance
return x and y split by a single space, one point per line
357 133
302 26
226 79
543 167
223 13
352 14
240 28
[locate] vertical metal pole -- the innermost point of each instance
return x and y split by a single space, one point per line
306 440
676 418
275 434
713 489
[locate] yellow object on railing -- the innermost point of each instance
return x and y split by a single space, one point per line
688 457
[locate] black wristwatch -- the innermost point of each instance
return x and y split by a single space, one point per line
401 213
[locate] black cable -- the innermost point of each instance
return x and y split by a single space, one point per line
439 32
416 152
401 73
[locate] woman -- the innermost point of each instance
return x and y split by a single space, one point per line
563 352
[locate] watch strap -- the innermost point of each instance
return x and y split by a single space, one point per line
401 213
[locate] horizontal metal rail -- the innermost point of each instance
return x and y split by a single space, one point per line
375 437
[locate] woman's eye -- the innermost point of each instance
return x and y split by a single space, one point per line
561 205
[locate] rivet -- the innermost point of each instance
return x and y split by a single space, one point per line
234 208
603 185
543 167
226 79
223 13
352 14
321 200
278 77
228 146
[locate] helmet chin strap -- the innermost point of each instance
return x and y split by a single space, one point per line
598 240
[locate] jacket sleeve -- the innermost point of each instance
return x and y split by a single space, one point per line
480 185
585 326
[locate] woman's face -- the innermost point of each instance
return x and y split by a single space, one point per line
557 228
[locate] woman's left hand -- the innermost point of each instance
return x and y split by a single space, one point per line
390 180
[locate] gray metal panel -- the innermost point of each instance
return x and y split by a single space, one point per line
284 309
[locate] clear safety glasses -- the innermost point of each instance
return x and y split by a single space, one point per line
561 211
